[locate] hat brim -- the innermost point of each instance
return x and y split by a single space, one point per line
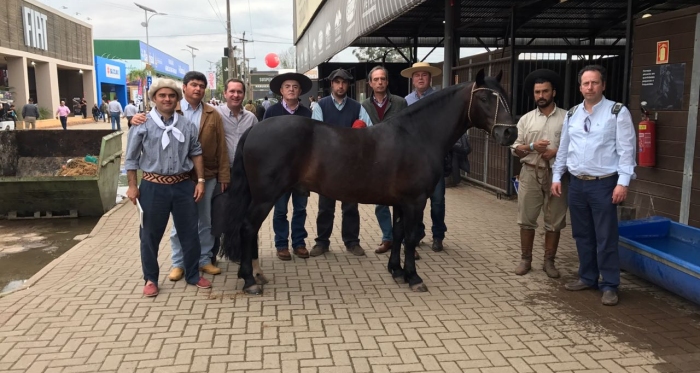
408 73
303 80
546 74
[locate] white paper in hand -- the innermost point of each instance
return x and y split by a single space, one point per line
138 207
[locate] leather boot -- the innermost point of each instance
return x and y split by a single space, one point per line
551 243
527 238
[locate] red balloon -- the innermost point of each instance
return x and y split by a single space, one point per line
272 60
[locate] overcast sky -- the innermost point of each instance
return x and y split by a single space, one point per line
199 23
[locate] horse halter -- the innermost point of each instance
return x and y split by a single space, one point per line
500 101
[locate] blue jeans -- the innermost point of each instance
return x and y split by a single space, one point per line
64 122
437 212
594 227
206 240
158 201
281 226
116 121
384 219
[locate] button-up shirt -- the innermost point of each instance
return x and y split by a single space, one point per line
413 97
535 126
130 110
234 126
63 111
284 105
144 150
115 107
318 112
194 115
607 147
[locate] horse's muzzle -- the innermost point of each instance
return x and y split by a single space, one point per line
505 135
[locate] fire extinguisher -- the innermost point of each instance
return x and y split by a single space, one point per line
647 139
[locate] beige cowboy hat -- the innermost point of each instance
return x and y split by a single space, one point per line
421 66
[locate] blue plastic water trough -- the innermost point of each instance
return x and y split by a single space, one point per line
663 252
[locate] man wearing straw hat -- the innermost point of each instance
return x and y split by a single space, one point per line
421 74
539 132
290 86
166 148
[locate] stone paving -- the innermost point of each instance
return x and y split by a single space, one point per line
340 313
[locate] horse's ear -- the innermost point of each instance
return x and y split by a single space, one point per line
499 76
480 78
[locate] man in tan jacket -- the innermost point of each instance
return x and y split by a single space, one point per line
216 167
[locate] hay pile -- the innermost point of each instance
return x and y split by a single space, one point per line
78 167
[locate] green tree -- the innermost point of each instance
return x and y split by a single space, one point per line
377 54
288 58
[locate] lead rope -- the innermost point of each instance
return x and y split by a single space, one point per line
499 100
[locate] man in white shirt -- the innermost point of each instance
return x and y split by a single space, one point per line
129 111
115 112
597 148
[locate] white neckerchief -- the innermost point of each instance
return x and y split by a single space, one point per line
165 140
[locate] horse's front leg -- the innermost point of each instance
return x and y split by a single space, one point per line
398 232
245 271
410 216
260 278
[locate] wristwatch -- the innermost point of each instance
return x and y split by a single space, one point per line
201 180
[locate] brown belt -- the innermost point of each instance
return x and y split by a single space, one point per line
165 179
589 177
533 166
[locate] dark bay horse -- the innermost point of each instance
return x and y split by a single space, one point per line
397 163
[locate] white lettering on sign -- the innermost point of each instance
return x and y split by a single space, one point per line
34 29
112 71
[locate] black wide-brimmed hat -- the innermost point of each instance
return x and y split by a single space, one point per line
340 73
545 74
303 80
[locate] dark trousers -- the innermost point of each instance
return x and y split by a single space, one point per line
128 121
594 227
350 228
64 122
158 202
83 111
281 226
437 212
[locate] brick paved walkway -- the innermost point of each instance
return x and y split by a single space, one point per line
340 313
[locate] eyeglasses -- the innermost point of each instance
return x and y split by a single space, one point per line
587 124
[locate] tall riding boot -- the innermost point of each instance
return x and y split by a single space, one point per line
551 243
527 237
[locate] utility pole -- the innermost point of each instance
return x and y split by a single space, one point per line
245 64
231 69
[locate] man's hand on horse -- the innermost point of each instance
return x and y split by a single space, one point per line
556 189
541 146
133 194
198 192
138 119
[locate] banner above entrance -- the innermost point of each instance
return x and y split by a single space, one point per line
339 22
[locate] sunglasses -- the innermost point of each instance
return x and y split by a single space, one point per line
587 125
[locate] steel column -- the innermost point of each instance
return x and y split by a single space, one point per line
448 44
691 132
628 55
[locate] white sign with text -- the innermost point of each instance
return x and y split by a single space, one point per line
34 29
112 71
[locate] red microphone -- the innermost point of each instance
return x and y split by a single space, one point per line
359 124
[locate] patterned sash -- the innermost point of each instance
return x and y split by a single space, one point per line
165 179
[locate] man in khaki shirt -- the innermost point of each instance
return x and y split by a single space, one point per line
539 132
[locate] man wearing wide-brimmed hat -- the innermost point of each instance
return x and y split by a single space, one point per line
421 74
166 148
290 86
339 110
539 132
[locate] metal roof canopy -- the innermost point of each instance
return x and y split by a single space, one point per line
486 23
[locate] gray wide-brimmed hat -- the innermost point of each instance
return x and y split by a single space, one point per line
303 80
545 74
161 83
340 73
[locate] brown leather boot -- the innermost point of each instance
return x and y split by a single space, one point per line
527 238
551 243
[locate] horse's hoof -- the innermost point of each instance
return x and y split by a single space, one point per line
260 279
253 290
419 288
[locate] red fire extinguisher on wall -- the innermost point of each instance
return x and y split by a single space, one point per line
647 139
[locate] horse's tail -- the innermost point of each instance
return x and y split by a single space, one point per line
239 200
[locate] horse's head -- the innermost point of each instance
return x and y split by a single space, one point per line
489 110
